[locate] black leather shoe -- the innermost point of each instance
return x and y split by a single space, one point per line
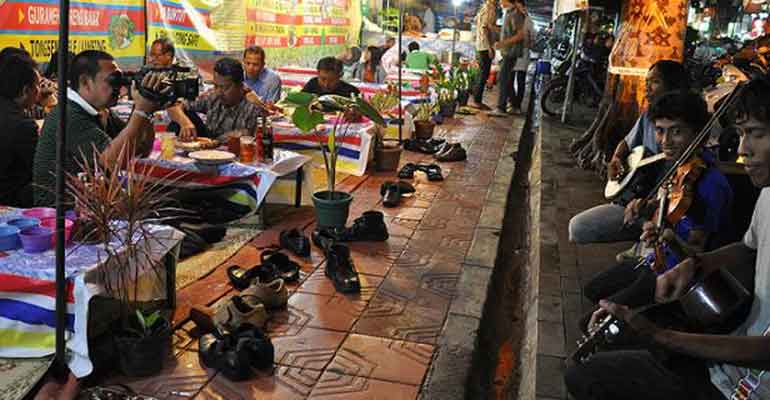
221 353
391 192
252 341
419 146
454 154
369 227
340 269
324 238
296 242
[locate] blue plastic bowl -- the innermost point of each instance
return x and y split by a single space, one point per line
9 238
36 239
24 223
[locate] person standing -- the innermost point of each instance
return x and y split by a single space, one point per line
428 19
485 28
511 48
522 63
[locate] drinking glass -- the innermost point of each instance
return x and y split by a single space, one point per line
247 149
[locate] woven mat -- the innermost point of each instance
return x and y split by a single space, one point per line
199 265
18 376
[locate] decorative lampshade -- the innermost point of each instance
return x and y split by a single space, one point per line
652 30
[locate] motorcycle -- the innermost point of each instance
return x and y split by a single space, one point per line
588 90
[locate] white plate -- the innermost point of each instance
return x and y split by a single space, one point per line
212 157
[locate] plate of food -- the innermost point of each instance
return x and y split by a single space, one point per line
212 157
200 143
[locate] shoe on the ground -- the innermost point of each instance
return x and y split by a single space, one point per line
285 268
272 294
447 147
498 113
221 353
391 192
324 238
370 226
252 341
241 278
407 171
341 270
203 317
294 241
455 154
480 106
433 172
236 312
630 255
436 142
419 146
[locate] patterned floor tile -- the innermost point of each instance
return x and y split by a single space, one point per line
182 376
336 386
385 359
282 383
319 283
309 348
326 312
398 227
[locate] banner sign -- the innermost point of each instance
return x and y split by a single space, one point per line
114 26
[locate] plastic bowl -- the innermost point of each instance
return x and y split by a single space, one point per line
9 238
23 223
39 212
50 223
36 239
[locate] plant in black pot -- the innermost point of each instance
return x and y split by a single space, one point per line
331 206
447 97
144 344
423 120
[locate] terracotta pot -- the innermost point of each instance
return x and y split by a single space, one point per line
387 157
423 129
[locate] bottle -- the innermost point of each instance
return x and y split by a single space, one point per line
267 142
258 132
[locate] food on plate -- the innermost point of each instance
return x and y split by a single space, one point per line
200 143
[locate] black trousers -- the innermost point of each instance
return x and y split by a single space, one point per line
485 65
506 79
640 375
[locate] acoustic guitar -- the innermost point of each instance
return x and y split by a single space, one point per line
633 182
710 305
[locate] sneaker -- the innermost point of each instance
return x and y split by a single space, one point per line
237 312
272 294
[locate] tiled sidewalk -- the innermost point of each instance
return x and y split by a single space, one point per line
380 343
564 266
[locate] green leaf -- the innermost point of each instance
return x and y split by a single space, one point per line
306 120
152 319
369 112
140 317
300 99
331 141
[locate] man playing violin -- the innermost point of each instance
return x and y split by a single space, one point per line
678 118
736 362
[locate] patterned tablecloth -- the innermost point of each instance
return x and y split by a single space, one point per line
28 295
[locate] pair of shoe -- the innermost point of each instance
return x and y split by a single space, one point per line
249 307
369 227
236 354
339 264
294 241
391 192
430 146
433 171
451 152
274 265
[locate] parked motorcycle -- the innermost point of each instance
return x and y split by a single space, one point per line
588 89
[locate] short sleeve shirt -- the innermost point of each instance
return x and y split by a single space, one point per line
221 118
485 18
757 237
267 85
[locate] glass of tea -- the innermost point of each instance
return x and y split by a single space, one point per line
247 149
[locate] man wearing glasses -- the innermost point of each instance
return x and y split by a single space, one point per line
226 108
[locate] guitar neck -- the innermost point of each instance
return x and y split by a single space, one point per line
651 160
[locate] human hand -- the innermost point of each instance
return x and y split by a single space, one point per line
632 211
671 285
252 97
650 234
614 169
639 323
596 317
152 81
187 132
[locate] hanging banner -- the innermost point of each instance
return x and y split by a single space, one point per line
295 32
114 26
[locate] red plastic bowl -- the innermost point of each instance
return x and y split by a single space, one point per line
40 213
50 223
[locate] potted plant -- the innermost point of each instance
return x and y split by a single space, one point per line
119 209
387 153
447 98
144 344
331 206
423 120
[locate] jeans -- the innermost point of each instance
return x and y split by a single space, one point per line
507 91
521 80
601 224
485 65
640 375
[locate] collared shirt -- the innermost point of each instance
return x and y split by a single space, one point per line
267 85
485 20
221 118
19 138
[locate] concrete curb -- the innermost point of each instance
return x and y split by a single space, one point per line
448 374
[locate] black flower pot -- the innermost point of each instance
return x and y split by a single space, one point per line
143 356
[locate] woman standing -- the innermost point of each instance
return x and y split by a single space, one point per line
369 69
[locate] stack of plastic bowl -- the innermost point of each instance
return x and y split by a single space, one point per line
36 239
50 223
9 238
23 223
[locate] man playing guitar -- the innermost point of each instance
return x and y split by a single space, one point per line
736 361
678 118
